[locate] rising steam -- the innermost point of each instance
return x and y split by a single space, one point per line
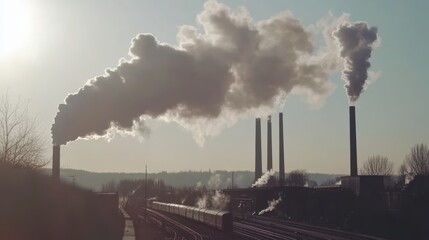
229 67
263 180
216 200
271 205
356 42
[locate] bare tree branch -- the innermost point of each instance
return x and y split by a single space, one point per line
297 178
377 165
417 161
21 144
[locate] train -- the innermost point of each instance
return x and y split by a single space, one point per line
220 220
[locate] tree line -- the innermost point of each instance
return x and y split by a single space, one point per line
416 163
22 146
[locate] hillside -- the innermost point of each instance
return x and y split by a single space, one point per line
211 179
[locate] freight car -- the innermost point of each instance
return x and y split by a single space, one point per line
217 219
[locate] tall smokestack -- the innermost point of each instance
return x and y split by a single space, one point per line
353 151
281 152
56 162
269 146
258 152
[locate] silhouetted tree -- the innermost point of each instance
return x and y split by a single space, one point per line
402 174
377 165
21 144
417 161
109 187
297 178
312 183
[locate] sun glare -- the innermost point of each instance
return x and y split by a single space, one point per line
16 27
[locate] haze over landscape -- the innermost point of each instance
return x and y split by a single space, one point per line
65 44
214 119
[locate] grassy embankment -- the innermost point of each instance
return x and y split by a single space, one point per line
33 206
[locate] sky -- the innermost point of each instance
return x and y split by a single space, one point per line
49 49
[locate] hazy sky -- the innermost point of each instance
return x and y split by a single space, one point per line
49 49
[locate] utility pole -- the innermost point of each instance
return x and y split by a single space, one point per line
73 179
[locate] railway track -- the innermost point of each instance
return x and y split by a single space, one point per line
273 229
246 231
253 228
173 233
177 229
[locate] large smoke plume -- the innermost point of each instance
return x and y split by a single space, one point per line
356 42
229 67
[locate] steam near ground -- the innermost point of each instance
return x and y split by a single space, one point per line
271 205
213 200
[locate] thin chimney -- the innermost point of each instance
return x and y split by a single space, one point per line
281 152
269 146
353 147
56 162
258 152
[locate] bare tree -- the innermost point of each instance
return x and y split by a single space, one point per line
417 161
377 165
403 174
21 144
109 187
403 170
297 178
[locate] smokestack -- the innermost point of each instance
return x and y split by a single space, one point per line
258 152
56 162
269 146
353 151
281 152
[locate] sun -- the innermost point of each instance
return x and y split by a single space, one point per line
16 27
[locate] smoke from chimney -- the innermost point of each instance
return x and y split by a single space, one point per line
356 42
228 67
269 146
263 180
281 152
258 150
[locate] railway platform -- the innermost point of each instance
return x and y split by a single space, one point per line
129 233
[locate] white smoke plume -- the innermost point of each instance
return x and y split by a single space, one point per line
220 201
356 42
203 202
212 199
228 68
271 205
199 186
263 180
215 181
216 200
